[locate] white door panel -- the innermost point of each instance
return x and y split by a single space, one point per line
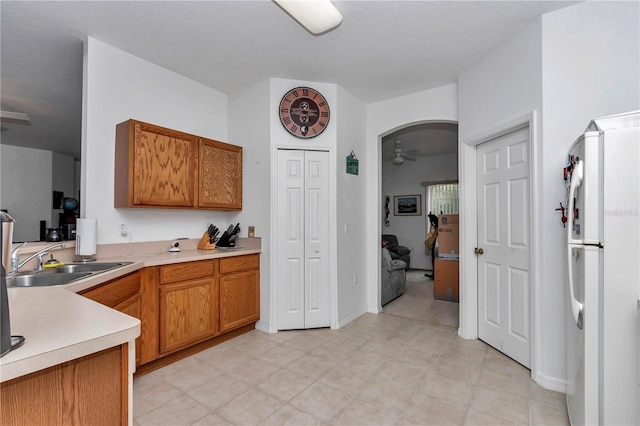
504 293
303 239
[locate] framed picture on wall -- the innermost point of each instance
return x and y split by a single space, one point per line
407 205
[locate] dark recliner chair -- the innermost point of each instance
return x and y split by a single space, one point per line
396 251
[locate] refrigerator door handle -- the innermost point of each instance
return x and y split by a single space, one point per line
576 181
576 307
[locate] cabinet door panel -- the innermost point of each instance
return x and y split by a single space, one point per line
165 168
239 299
220 184
187 271
188 313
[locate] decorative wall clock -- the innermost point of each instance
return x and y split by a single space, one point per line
304 112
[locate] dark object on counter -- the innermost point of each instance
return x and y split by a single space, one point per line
229 236
7 341
53 235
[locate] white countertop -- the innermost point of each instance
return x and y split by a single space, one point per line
59 325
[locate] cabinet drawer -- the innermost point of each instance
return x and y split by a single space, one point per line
239 263
114 292
187 271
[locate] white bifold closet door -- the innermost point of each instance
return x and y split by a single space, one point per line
303 239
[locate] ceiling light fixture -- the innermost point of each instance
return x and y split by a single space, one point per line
317 16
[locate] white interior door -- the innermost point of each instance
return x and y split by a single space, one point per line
504 284
303 239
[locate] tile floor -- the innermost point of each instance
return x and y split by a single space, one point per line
378 370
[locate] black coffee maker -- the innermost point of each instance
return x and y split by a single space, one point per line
7 341
6 235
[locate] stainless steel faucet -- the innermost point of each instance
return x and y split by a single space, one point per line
16 267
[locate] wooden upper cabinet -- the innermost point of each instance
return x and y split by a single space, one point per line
156 167
220 175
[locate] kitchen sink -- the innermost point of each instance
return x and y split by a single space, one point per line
89 267
61 275
43 279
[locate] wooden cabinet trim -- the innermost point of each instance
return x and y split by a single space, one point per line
114 292
239 263
188 270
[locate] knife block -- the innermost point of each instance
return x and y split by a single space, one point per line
204 243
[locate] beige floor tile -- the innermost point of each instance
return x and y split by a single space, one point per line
503 381
416 357
333 351
218 392
254 372
360 412
351 339
149 395
192 376
429 410
548 397
544 415
367 361
282 355
445 387
394 395
213 420
482 418
227 360
289 415
321 401
250 408
179 411
464 355
455 370
346 378
308 340
312 365
506 406
410 375
286 384
256 346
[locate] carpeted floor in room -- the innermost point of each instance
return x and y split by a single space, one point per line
418 303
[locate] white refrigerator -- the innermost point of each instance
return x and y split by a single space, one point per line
603 254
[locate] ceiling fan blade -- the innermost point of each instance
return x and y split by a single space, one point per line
18 117
409 157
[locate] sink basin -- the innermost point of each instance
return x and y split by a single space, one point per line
89 267
43 279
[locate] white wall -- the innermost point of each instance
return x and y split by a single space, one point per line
118 87
591 68
256 178
405 180
571 65
26 191
439 104
505 87
351 205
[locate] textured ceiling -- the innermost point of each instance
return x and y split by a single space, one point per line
382 49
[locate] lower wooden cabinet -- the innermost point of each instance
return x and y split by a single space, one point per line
121 294
91 390
185 305
188 313
239 291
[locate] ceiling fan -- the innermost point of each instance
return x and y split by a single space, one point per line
400 155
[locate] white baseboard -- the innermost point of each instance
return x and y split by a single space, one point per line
265 328
346 320
550 383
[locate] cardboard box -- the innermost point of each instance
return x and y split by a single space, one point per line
446 280
448 219
448 240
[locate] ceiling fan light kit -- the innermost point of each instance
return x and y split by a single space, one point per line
317 16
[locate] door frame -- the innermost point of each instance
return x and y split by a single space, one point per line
469 230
